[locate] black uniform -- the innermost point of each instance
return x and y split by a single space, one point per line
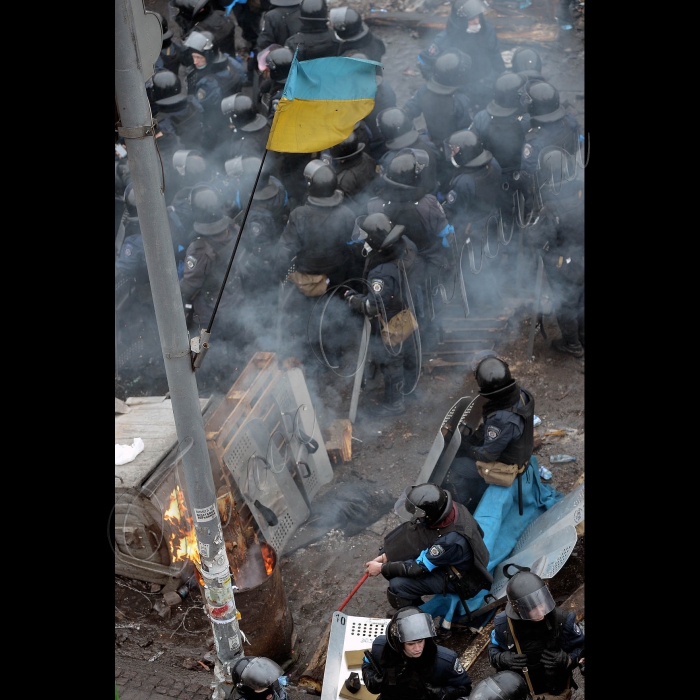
563 133
313 42
444 114
429 177
370 45
357 176
483 48
558 631
506 435
384 98
460 545
503 136
187 119
279 23
436 673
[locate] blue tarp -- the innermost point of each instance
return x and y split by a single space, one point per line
499 517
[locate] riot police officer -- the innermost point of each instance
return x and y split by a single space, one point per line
468 31
170 52
475 186
249 130
201 15
405 663
403 198
527 62
258 678
443 101
355 169
391 265
354 35
183 111
398 132
504 685
279 23
550 643
448 550
313 255
505 436
314 39
558 234
207 259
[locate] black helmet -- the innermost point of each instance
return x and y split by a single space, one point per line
347 24
191 165
409 624
504 685
526 61
284 3
252 673
428 503
544 103
376 231
313 11
241 110
396 128
351 146
130 201
122 176
492 374
187 12
508 90
323 184
208 210
167 88
468 9
405 168
167 33
202 42
528 597
279 61
450 72
464 149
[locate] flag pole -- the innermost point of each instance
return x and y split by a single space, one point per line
235 247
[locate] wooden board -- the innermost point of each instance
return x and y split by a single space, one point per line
151 419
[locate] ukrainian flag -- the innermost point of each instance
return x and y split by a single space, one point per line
322 101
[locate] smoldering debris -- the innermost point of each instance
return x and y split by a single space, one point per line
351 507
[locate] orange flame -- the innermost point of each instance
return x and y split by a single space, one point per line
182 542
268 557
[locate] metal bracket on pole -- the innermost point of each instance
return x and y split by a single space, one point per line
137 132
199 347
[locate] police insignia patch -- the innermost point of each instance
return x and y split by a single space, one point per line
433 50
436 550
458 666
201 94
492 433
527 150
451 196
128 250
255 228
191 261
377 286
577 629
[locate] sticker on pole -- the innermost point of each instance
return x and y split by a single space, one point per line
204 515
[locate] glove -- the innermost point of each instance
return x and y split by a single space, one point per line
512 661
354 302
437 693
554 660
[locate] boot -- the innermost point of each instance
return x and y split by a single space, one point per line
393 398
575 349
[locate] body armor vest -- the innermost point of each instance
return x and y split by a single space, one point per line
505 137
438 111
519 452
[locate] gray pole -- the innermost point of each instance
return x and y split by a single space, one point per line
137 44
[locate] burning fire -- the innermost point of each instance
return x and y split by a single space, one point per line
268 557
182 542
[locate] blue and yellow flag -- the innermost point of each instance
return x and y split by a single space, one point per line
322 101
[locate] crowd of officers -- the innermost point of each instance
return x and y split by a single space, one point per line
372 227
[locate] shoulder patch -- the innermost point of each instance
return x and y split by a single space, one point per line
256 228
577 629
128 250
436 550
433 50
377 285
527 150
190 261
451 196
493 432
458 668
201 94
